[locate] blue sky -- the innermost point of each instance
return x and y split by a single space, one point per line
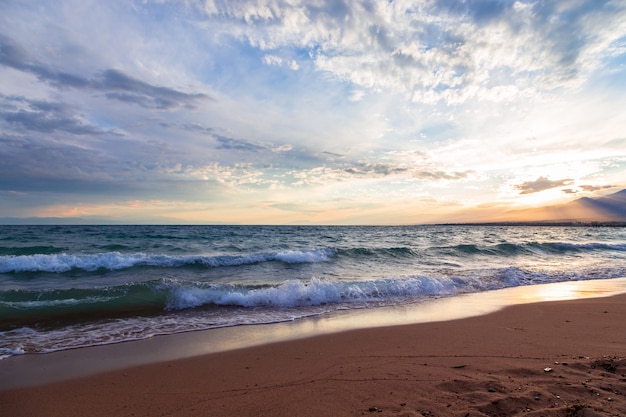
335 112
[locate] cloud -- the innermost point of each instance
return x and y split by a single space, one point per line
347 171
235 175
126 88
277 61
228 143
237 144
541 184
87 171
189 127
435 51
45 116
442 175
115 84
356 95
272 60
14 56
32 164
591 188
41 122
375 169
388 101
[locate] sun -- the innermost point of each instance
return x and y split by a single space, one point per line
542 198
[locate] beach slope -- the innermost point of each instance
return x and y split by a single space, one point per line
563 358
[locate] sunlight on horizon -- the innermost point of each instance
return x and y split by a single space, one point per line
245 112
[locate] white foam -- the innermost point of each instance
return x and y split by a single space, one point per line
11 346
7 353
316 292
297 293
289 301
115 260
53 303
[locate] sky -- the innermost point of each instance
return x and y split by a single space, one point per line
308 111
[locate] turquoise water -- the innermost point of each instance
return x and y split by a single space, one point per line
68 286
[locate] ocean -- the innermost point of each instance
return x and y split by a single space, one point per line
63 287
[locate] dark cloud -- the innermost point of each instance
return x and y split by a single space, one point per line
375 169
333 154
541 184
382 170
238 144
36 165
128 89
597 187
114 83
44 116
191 127
42 122
196 128
14 56
225 142
30 164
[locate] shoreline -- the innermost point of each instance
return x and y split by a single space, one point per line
39 369
552 358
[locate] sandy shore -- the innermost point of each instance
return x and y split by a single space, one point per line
562 358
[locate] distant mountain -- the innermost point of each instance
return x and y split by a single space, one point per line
613 205
610 208
607 209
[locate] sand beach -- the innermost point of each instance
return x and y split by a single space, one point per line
551 358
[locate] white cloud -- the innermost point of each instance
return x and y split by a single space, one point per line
272 60
279 62
356 95
432 52
372 99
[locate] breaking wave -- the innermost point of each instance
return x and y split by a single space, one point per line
115 260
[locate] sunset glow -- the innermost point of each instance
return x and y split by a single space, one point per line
299 112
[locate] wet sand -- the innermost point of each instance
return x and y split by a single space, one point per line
554 358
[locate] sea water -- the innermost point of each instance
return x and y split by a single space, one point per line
64 287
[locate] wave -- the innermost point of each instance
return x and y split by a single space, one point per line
8 352
45 321
530 248
18 307
22 307
298 293
394 252
29 250
59 263
49 260
587 246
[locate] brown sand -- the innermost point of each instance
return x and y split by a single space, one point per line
565 358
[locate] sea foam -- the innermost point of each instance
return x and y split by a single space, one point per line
297 293
115 260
